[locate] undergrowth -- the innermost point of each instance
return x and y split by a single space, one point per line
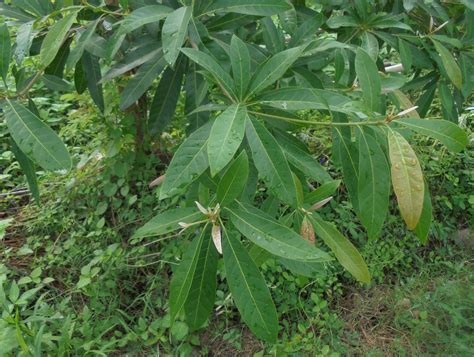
73 283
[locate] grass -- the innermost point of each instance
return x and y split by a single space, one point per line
425 315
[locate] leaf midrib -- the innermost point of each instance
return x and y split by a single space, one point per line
31 132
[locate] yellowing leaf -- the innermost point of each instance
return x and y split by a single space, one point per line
407 178
307 231
216 237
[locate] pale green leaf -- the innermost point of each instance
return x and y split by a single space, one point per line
226 136
174 32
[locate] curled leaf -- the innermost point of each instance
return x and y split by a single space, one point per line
307 231
216 237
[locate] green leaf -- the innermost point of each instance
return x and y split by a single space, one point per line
308 269
168 221
37 140
240 61
251 7
55 38
297 98
449 63
166 96
81 42
405 55
5 52
324 191
298 155
210 64
37 7
234 180
373 185
349 156
343 249
189 161
336 22
306 29
142 80
202 294
407 178
249 290
370 45
91 69
271 162
272 36
14 13
448 106
446 132
289 21
273 69
423 227
28 169
80 81
56 83
24 38
133 59
143 16
273 236
174 32
97 46
226 136
185 274
369 80
56 67
466 64
111 46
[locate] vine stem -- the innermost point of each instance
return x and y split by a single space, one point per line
30 84
321 123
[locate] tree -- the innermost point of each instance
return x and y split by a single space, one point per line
253 74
